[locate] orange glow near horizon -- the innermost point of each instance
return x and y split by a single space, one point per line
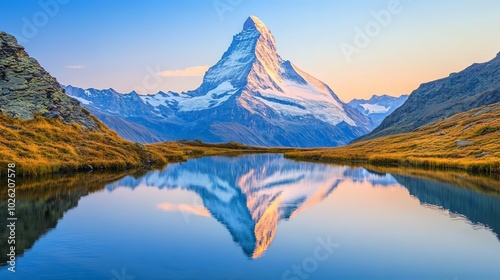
396 74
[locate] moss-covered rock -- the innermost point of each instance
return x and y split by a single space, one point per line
27 89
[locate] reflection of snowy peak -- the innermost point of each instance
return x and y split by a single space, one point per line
361 175
249 195
255 97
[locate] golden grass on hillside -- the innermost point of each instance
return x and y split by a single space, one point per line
431 146
44 145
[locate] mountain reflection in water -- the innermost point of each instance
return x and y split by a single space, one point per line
250 195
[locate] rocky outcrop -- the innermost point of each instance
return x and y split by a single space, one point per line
28 90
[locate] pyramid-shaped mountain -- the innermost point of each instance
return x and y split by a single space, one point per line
251 96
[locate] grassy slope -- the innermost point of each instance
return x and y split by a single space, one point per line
46 145
430 146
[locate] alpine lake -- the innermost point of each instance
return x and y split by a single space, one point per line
256 217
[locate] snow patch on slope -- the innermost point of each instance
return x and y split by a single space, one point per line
375 108
82 101
299 100
187 103
212 99
156 100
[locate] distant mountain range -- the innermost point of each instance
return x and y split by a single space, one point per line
476 86
377 108
127 114
251 96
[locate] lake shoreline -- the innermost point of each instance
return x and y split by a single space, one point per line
155 156
193 149
424 164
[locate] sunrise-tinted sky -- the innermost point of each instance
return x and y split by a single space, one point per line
119 44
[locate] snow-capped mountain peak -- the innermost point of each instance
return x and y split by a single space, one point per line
265 39
252 65
253 45
255 23
252 95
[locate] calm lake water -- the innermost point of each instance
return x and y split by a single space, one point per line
254 217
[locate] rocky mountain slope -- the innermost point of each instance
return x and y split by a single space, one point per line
476 86
27 89
42 130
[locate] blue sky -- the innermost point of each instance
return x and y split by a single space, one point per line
119 44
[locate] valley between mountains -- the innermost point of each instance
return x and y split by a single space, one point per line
250 101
